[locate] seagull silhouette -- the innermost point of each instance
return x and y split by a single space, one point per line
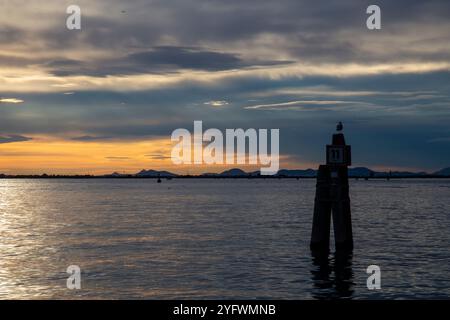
339 126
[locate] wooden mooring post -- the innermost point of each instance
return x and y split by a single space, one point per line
332 199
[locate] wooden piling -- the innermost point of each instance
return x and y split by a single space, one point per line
320 236
332 199
340 206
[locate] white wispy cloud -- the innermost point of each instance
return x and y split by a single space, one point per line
299 103
11 100
217 103
40 81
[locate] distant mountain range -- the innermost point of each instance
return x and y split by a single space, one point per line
357 172
307 173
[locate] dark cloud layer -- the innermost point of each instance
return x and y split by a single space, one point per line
13 138
90 138
310 31
159 60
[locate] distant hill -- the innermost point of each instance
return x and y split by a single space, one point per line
116 175
234 173
443 172
298 173
154 173
360 172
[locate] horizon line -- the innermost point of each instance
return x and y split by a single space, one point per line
118 173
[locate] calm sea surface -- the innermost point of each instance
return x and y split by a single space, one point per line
212 239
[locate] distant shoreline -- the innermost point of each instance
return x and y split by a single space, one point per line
236 173
46 177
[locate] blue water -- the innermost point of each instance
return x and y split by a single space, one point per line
212 239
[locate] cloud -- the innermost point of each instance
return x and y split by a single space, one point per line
289 104
158 60
88 138
13 138
186 58
167 38
306 30
11 100
217 103
157 156
114 158
10 34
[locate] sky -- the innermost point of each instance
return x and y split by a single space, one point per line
107 97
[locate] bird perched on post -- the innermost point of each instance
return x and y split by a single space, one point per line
339 126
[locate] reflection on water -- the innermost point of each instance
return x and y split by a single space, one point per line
332 275
217 239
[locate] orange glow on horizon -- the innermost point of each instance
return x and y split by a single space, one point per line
57 156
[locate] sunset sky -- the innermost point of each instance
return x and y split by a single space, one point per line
107 97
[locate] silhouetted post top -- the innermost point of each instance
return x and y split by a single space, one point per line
339 153
338 139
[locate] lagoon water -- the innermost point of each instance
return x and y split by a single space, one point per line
208 239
